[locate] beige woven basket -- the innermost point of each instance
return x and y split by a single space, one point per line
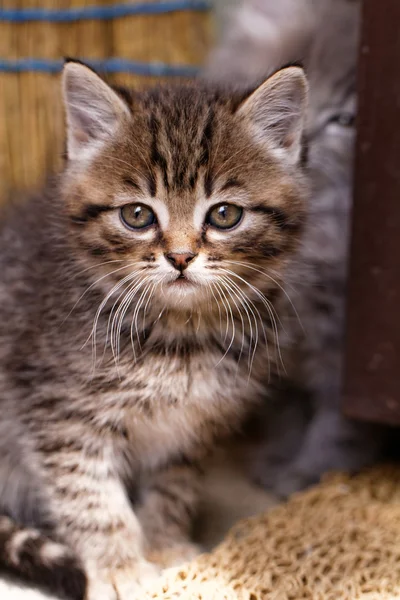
337 541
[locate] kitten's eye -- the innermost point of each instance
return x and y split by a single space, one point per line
343 119
224 216
137 216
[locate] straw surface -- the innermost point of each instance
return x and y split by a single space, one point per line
31 116
337 541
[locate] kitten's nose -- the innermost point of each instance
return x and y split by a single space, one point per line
180 260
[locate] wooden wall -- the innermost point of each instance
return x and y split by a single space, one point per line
372 374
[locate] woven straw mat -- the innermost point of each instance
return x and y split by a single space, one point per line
337 541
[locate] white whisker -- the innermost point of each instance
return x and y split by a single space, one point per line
218 306
226 311
130 281
225 281
134 321
153 289
121 310
267 305
119 318
113 290
262 272
233 327
107 262
244 302
92 285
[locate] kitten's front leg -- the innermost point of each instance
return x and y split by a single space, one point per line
170 503
94 515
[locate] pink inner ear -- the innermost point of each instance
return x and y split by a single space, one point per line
81 136
289 140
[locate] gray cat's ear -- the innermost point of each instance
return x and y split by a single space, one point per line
276 112
93 110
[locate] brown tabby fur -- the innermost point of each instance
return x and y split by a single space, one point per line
105 411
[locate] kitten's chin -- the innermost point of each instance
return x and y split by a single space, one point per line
182 293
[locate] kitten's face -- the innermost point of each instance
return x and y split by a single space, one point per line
184 199
332 71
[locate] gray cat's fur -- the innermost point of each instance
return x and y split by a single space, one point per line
306 434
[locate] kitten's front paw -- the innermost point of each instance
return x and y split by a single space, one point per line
175 555
122 584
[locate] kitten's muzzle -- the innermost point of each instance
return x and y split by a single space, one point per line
180 261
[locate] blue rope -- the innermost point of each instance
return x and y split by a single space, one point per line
109 65
111 11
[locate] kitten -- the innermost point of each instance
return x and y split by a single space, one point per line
305 433
134 329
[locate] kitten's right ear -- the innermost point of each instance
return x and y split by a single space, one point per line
275 113
93 110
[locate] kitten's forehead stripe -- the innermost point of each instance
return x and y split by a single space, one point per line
130 182
206 142
152 183
182 131
231 183
208 185
157 157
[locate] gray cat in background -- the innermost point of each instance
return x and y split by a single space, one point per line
305 433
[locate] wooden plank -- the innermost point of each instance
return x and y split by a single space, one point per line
372 364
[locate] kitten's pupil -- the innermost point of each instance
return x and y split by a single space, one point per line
225 216
222 212
137 216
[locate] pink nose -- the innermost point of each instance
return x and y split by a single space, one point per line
180 261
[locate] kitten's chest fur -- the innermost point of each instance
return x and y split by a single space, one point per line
181 394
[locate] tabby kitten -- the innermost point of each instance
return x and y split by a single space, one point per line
135 329
305 433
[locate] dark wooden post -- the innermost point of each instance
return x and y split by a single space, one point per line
372 365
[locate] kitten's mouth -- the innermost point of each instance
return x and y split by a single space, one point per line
181 280
183 291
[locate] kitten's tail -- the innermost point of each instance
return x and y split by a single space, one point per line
30 556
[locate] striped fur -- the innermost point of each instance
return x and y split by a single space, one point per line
28 553
104 414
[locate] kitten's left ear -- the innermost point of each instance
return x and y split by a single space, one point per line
93 110
276 112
